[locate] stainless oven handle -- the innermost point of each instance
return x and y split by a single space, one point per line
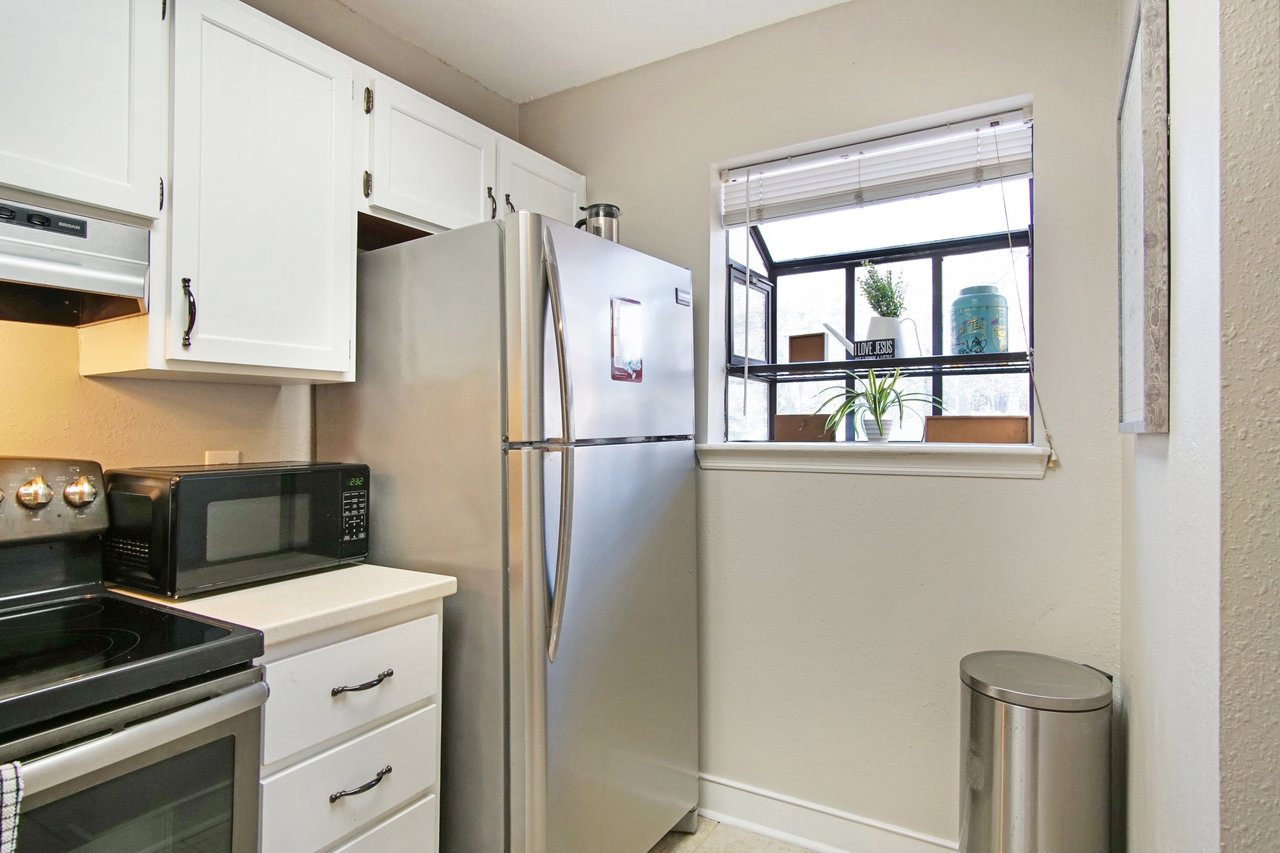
41 774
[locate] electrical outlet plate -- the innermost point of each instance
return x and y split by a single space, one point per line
221 457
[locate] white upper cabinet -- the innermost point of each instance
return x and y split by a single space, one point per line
529 181
262 270
426 161
81 104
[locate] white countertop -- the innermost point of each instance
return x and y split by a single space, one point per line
288 609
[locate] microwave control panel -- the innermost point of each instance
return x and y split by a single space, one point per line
355 511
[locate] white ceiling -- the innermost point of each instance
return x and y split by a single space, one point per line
524 49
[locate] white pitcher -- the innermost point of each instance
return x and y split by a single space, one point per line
879 328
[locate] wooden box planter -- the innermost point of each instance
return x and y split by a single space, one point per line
811 347
978 429
801 428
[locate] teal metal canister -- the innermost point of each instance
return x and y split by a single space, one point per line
979 321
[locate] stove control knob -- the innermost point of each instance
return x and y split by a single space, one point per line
35 493
80 493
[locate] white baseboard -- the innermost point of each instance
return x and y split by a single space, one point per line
805 824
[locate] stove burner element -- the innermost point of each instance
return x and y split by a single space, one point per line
31 659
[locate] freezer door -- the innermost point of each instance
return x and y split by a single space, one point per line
626 323
621 695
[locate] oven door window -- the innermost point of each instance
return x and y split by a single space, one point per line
258 527
183 803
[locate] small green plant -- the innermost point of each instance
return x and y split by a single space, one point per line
885 294
875 395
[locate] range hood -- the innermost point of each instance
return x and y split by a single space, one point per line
65 270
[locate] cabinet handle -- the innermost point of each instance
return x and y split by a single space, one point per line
511 208
191 313
493 204
368 685
372 783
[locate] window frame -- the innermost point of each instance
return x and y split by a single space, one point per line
941 365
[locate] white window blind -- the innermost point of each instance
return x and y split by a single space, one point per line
941 158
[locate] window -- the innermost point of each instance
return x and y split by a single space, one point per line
941 211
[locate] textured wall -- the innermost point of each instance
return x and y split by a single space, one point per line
50 410
835 607
1250 34
1172 490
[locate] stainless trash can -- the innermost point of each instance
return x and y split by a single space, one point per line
1035 755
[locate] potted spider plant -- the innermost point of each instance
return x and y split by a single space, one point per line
877 399
887 295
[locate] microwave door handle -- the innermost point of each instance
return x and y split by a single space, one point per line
41 774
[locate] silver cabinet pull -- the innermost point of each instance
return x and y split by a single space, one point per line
367 786
191 313
368 685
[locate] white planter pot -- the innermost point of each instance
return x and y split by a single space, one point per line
873 432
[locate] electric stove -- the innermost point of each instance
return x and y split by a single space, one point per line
67 644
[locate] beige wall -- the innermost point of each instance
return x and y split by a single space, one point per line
339 27
1172 489
835 607
1250 90
50 410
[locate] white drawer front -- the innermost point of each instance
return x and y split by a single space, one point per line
303 711
415 828
296 811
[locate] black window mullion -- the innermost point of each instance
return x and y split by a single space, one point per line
937 330
850 324
766 258
850 301
770 334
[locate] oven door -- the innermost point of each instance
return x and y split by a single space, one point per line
184 780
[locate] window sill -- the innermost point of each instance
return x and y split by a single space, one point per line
996 461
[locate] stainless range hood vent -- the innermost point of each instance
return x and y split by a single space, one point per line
65 270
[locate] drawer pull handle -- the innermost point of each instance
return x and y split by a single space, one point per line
368 685
371 784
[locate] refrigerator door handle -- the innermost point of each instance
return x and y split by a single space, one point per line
555 616
557 325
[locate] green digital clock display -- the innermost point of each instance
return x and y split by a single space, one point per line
355 482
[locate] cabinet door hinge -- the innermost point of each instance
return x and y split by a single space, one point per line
164 8
368 184
368 100
162 193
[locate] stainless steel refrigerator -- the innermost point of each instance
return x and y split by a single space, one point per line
525 402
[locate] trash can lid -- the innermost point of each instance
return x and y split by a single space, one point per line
1036 681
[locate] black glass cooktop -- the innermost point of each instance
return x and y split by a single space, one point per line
66 655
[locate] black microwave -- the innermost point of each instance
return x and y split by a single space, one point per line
185 530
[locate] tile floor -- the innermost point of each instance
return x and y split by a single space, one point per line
713 837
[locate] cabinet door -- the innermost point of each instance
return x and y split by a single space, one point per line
263 204
429 162
82 101
529 181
